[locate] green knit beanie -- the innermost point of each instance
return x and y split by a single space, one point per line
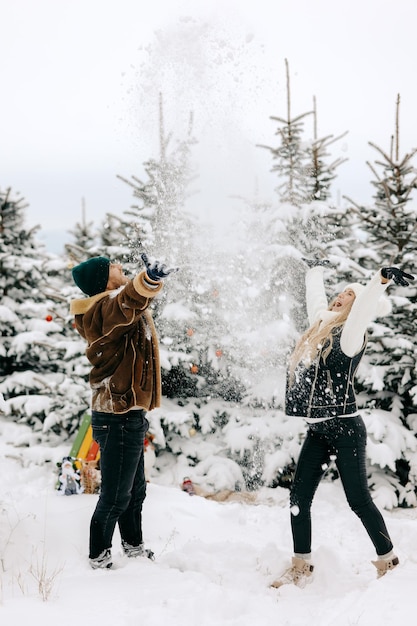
92 276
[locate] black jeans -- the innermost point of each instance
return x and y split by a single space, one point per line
123 484
345 438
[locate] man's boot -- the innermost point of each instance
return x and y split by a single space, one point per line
134 551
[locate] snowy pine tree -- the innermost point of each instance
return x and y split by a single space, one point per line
388 374
160 225
37 378
291 162
322 172
305 221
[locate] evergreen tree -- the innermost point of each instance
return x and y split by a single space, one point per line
388 376
161 215
291 161
36 354
305 222
22 266
395 180
161 226
322 173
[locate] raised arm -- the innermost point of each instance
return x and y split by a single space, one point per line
316 298
364 310
367 306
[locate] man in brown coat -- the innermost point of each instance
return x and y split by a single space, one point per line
125 379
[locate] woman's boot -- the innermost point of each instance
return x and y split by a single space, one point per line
383 565
298 574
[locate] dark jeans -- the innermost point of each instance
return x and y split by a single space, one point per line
345 438
123 484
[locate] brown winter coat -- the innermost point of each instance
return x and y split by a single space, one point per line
122 346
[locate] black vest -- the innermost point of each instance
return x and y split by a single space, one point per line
325 389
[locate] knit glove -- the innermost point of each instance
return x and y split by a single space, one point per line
156 270
315 262
398 276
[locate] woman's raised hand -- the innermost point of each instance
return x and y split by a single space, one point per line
398 276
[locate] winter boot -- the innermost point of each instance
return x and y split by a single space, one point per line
134 551
299 574
103 561
383 565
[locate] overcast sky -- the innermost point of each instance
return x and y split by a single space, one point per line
80 81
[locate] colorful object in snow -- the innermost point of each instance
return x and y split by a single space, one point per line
84 447
85 456
90 476
188 486
69 479
84 424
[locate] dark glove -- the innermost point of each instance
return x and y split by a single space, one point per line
398 276
315 262
156 270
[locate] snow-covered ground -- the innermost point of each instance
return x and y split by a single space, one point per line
214 561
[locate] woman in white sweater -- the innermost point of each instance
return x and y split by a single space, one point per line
320 389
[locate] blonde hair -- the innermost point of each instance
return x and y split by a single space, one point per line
318 338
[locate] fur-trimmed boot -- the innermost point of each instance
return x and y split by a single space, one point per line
298 574
384 565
